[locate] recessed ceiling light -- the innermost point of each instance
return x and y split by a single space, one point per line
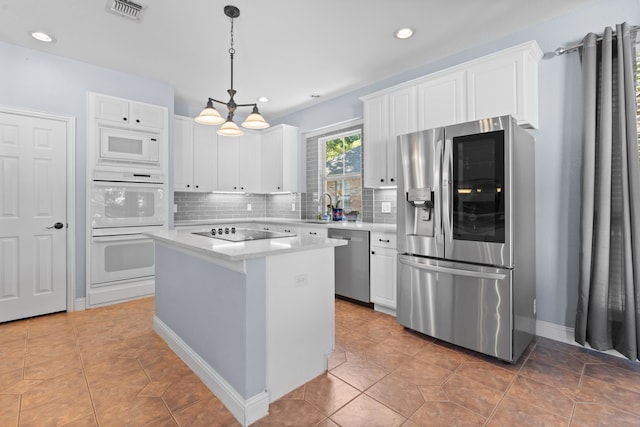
404 33
263 99
43 37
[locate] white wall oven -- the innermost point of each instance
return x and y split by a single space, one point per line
122 147
121 257
126 200
123 205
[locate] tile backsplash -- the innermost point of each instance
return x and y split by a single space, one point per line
214 206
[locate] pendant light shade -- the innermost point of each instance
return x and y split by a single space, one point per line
209 116
255 121
229 129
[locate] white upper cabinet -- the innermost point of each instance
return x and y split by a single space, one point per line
403 119
385 117
129 113
228 163
205 151
280 159
195 149
239 163
376 133
505 82
250 152
182 153
256 162
441 100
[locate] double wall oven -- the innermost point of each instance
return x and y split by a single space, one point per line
126 197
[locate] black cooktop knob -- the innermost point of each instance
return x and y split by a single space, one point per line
233 230
219 230
226 230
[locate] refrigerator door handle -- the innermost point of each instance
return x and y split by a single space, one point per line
447 196
454 271
437 195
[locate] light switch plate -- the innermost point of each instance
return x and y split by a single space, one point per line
386 207
248 206
293 207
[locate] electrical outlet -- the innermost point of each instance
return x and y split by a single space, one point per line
293 207
386 207
175 207
248 206
300 280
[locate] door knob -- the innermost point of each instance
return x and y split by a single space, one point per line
57 226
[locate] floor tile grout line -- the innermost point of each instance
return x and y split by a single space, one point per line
84 373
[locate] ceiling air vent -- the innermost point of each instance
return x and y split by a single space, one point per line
126 8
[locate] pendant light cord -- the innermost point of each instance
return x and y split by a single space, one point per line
232 51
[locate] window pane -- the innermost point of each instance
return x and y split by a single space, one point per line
343 155
342 158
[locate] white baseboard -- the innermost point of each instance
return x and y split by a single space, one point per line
566 335
245 411
385 310
79 304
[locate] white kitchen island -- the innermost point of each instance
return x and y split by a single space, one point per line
254 320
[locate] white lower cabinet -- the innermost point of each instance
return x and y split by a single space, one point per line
296 230
383 265
314 231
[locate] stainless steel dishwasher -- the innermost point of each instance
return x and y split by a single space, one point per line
352 264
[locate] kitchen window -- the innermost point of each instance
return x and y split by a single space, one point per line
341 166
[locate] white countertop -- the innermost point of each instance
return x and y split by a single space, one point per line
238 251
350 225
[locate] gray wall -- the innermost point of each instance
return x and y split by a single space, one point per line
558 141
39 81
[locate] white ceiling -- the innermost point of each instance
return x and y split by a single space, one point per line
286 50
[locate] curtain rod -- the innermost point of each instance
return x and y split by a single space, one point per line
562 50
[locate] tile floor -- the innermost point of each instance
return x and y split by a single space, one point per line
106 367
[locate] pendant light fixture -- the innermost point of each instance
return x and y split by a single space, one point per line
210 116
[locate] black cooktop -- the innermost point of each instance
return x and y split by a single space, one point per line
233 234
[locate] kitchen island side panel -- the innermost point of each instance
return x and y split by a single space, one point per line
218 313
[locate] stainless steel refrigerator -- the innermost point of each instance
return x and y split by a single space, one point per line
466 235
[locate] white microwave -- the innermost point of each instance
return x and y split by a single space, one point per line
126 146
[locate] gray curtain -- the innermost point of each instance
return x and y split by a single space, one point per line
608 313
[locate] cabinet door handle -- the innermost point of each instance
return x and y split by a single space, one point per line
138 121
373 252
385 241
197 186
313 233
124 118
188 186
391 180
381 179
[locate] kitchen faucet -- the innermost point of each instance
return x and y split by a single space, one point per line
330 205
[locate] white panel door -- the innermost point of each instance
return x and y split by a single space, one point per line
33 261
403 119
182 153
442 101
374 142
